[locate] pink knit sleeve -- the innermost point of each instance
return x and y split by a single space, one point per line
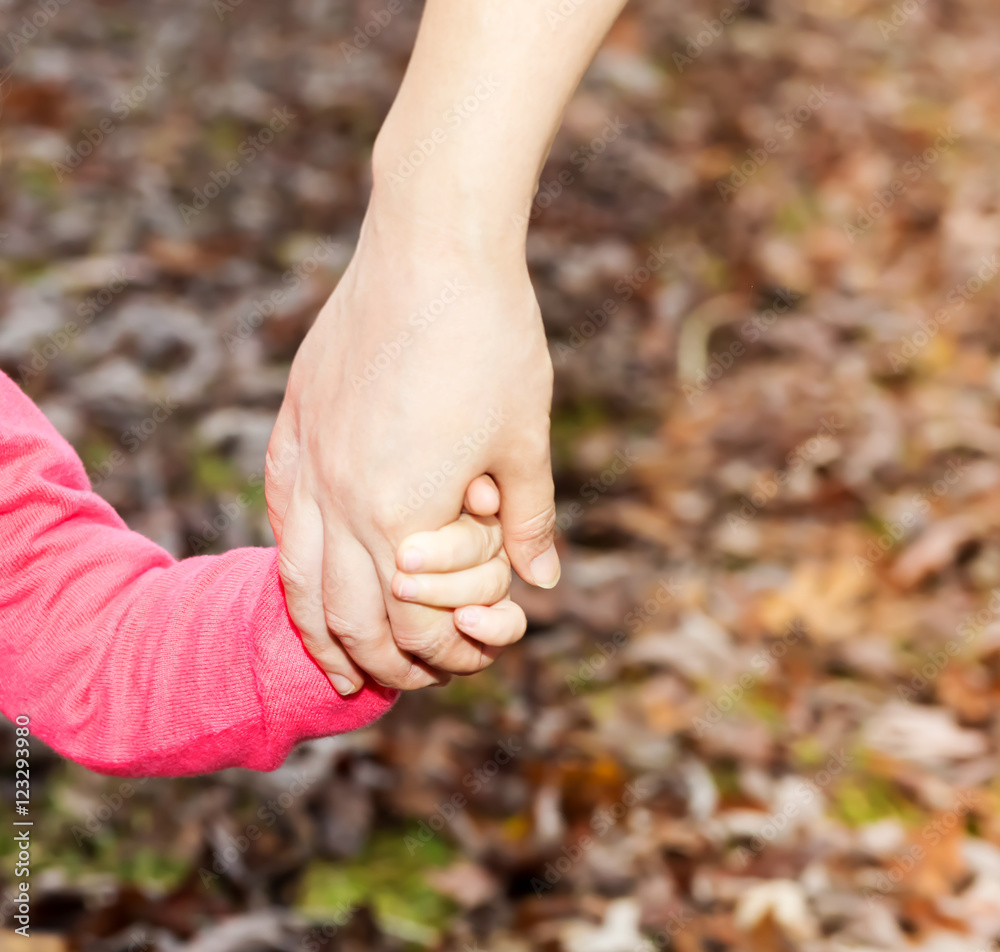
129 661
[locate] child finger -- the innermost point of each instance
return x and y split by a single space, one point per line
463 544
482 498
497 625
481 585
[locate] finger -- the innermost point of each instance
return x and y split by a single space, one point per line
354 610
463 544
430 634
300 565
528 520
281 464
483 584
482 498
497 625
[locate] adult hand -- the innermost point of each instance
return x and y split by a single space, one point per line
427 367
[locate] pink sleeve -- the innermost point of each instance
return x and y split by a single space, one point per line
129 661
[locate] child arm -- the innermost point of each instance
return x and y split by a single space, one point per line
129 661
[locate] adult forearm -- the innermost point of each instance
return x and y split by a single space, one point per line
464 143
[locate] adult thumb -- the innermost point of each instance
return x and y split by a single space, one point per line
528 520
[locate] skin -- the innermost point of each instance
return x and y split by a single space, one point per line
428 367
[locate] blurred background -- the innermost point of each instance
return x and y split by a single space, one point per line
760 710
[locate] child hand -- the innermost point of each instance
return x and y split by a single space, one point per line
464 567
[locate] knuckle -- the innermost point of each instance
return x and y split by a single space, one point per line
482 547
348 634
490 541
425 644
389 515
278 461
536 445
537 528
453 552
500 582
292 577
409 681
324 653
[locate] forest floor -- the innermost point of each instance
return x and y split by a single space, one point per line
760 711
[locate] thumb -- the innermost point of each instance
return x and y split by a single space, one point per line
528 521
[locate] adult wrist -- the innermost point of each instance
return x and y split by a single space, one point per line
440 188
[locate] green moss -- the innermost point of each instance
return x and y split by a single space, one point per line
128 846
864 798
390 877
727 779
714 273
23 271
148 868
796 215
215 474
38 180
757 701
808 752
223 137
571 421
603 702
464 693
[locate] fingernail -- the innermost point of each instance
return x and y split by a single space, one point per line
342 686
408 588
545 570
413 560
468 618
